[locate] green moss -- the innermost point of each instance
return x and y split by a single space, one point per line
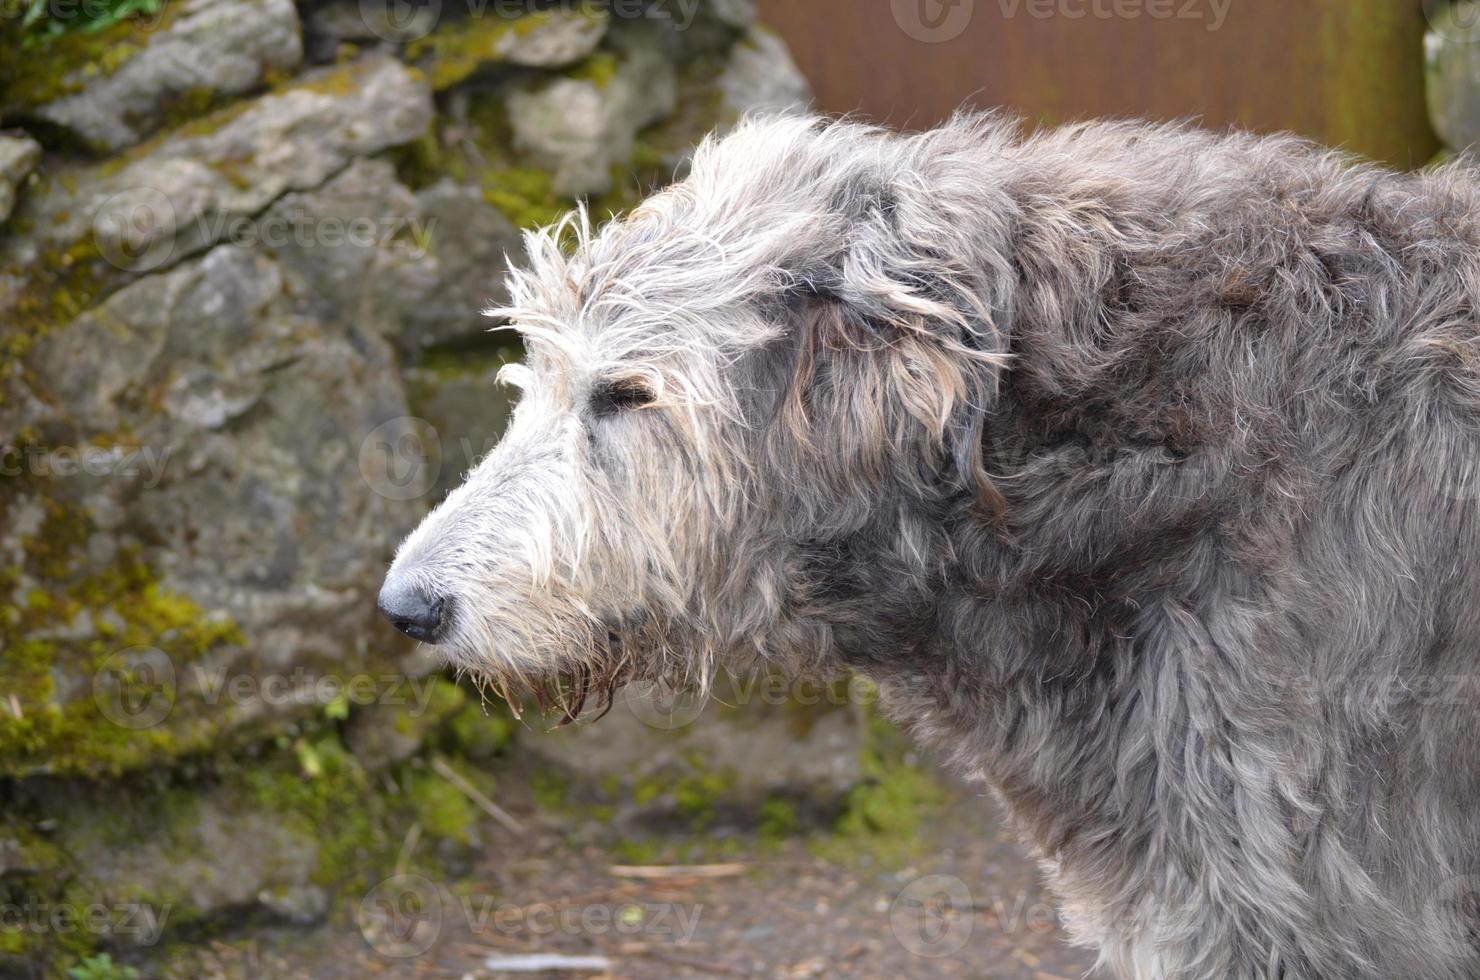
551 789
478 734
455 363
526 196
638 851
443 700
441 808
127 607
599 69
180 109
57 288
67 54
101 967
457 49
336 804
882 814
697 793
778 820
63 67
695 790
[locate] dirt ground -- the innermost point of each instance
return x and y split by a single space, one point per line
966 905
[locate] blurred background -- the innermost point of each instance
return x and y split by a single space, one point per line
243 247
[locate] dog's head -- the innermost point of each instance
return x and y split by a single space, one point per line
788 349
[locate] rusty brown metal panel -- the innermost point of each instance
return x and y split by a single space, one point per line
1346 72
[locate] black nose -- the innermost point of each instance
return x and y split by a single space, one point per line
413 612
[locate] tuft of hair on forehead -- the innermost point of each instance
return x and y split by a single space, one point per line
903 238
779 205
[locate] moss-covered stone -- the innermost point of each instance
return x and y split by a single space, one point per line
881 816
55 67
457 49
123 607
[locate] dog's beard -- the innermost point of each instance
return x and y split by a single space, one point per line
586 683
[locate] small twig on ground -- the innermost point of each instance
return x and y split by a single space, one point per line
541 962
706 967
585 898
676 870
482 802
408 846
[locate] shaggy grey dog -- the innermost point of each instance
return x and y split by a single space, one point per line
1140 467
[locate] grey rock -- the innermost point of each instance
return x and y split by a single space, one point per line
553 38
579 129
357 249
1452 63
272 487
197 188
208 47
467 408
215 858
758 75
762 77
736 13
328 25
461 47
296 904
756 748
470 240
391 729
416 268
19 155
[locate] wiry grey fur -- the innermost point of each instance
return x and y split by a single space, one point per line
1140 466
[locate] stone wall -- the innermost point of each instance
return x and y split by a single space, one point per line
243 252
1452 74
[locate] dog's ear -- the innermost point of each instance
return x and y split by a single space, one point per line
897 352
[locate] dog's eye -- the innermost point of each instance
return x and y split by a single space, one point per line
620 395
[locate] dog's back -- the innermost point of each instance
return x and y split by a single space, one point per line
1234 690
